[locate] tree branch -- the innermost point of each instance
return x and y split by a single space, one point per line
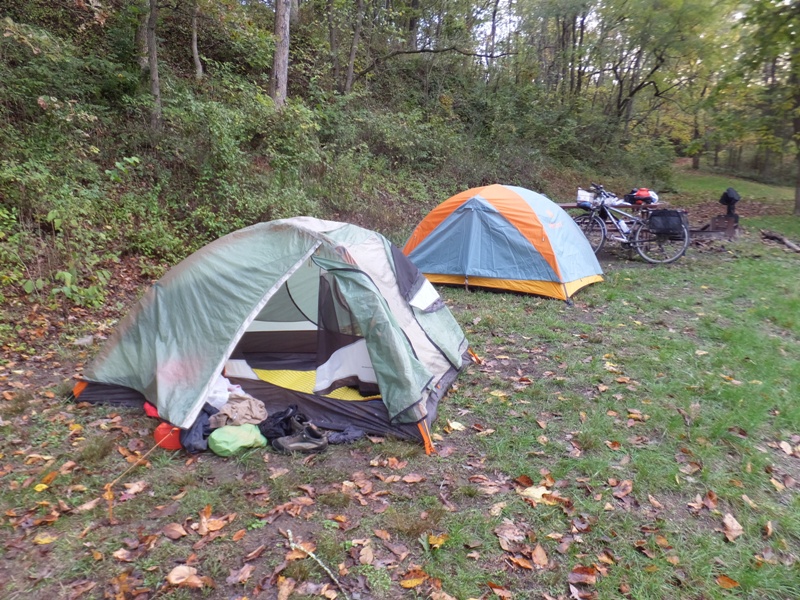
375 63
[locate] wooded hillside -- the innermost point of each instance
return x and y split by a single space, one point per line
153 126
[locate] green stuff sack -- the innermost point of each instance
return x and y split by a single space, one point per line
230 439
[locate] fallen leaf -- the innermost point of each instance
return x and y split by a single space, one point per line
124 555
539 556
690 468
732 528
579 594
662 542
778 485
301 552
520 561
255 553
749 502
655 503
622 489
710 501
583 575
241 575
641 546
437 541
606 557
499 590
239 535
726 582
536 493
173 531
413 578
366 556
510 536
80 587
44 538
134 488
497 509
48 479
184 576
413 478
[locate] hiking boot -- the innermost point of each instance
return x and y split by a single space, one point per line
307 441
299 422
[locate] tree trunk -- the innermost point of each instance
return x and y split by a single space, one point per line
198 66
695 137
333 43
152 60
797 184
141 38
413 23
348 84
493 33
294 12
280 65
579 55
794 83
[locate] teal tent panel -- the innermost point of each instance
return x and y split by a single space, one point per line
574 254
402 378
176 342
476 240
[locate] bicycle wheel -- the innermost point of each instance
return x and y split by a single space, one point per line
594 229
660 248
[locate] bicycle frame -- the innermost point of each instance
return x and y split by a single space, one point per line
656 246
623 222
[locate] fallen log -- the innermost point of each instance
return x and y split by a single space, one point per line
771 235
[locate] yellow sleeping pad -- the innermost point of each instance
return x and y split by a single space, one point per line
304 381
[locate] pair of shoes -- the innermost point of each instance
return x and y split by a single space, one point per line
308 440
299 422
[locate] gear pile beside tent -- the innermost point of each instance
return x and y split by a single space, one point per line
328 317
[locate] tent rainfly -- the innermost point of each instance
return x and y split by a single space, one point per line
507 238
328 316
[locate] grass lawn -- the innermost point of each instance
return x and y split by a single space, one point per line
699 182
643 443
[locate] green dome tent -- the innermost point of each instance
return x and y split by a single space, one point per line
325 315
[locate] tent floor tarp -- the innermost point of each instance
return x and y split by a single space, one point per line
327 412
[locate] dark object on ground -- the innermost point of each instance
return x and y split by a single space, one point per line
729 198
721 226
307 441
281 424
195 439
350 434
771 235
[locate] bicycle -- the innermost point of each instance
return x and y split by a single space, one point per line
659 236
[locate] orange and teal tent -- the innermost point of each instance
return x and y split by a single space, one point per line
504 237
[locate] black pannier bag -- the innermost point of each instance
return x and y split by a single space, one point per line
667 221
